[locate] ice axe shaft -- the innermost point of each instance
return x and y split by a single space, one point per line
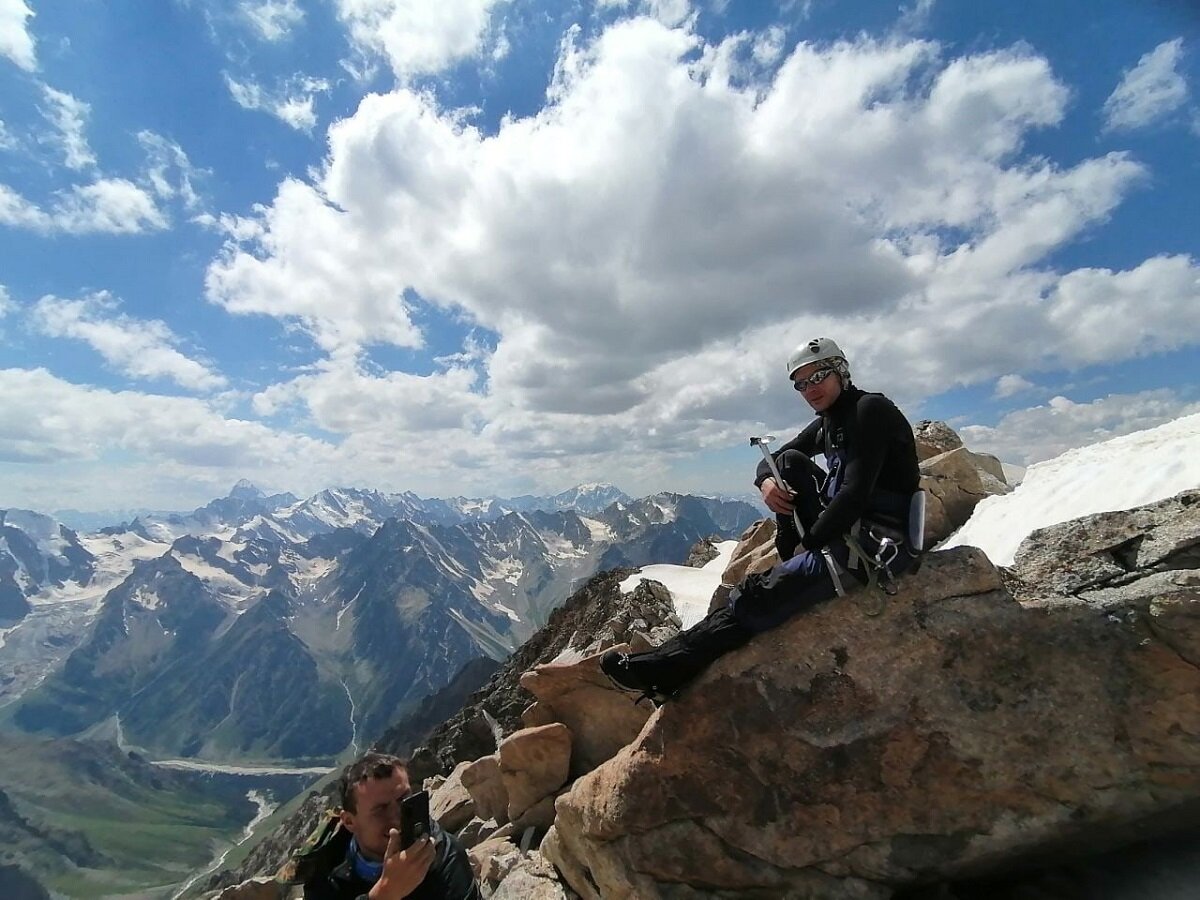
763 444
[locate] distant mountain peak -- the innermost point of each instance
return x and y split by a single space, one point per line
591 497
245 490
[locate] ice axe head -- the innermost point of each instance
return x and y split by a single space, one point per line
760 440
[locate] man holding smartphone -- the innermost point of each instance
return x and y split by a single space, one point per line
367 860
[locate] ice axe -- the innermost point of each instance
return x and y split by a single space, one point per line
763 443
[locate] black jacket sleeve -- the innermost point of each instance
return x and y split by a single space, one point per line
451 876
875 420
805 442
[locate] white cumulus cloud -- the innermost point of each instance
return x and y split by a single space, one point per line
344 397
1150 90
768 46
418 38
644 249
16 43
105 206
1008 385
186 446
138 348
189 449
1103 315
1043 432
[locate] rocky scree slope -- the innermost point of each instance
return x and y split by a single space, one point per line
596 615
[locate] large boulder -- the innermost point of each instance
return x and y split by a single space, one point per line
485 783
531 878
479 830
954 483
539 816
450 803
934 438
981 718
493 859
703 552
755 552
579 695
534 763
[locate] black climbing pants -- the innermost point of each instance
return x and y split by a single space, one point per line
760 602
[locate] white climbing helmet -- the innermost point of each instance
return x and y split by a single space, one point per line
818 350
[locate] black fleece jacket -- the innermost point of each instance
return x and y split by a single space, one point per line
449 878
879 456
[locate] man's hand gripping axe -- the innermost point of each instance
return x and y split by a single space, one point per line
763 443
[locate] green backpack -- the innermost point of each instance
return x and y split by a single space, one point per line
320 852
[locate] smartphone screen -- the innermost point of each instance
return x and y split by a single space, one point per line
414 818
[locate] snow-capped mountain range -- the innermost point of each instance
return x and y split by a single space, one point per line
267 627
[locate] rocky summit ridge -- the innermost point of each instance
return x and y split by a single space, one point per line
984 721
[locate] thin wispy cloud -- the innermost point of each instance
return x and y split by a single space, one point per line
143 349
8 140
1152 89
768 46
69 116
293 102
273 20
168 170
915 16
104 204
669 12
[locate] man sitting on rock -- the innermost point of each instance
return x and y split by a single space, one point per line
855 515
364 860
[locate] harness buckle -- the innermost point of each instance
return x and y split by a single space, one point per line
886 552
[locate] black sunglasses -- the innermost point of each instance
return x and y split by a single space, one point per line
814 379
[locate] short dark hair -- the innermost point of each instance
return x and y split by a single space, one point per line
369 766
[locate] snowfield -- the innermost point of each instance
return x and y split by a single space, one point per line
1121 473
690 588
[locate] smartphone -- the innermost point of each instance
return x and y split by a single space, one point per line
414 818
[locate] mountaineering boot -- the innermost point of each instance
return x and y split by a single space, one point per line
631 674
660 674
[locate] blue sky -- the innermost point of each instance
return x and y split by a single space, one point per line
499 246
